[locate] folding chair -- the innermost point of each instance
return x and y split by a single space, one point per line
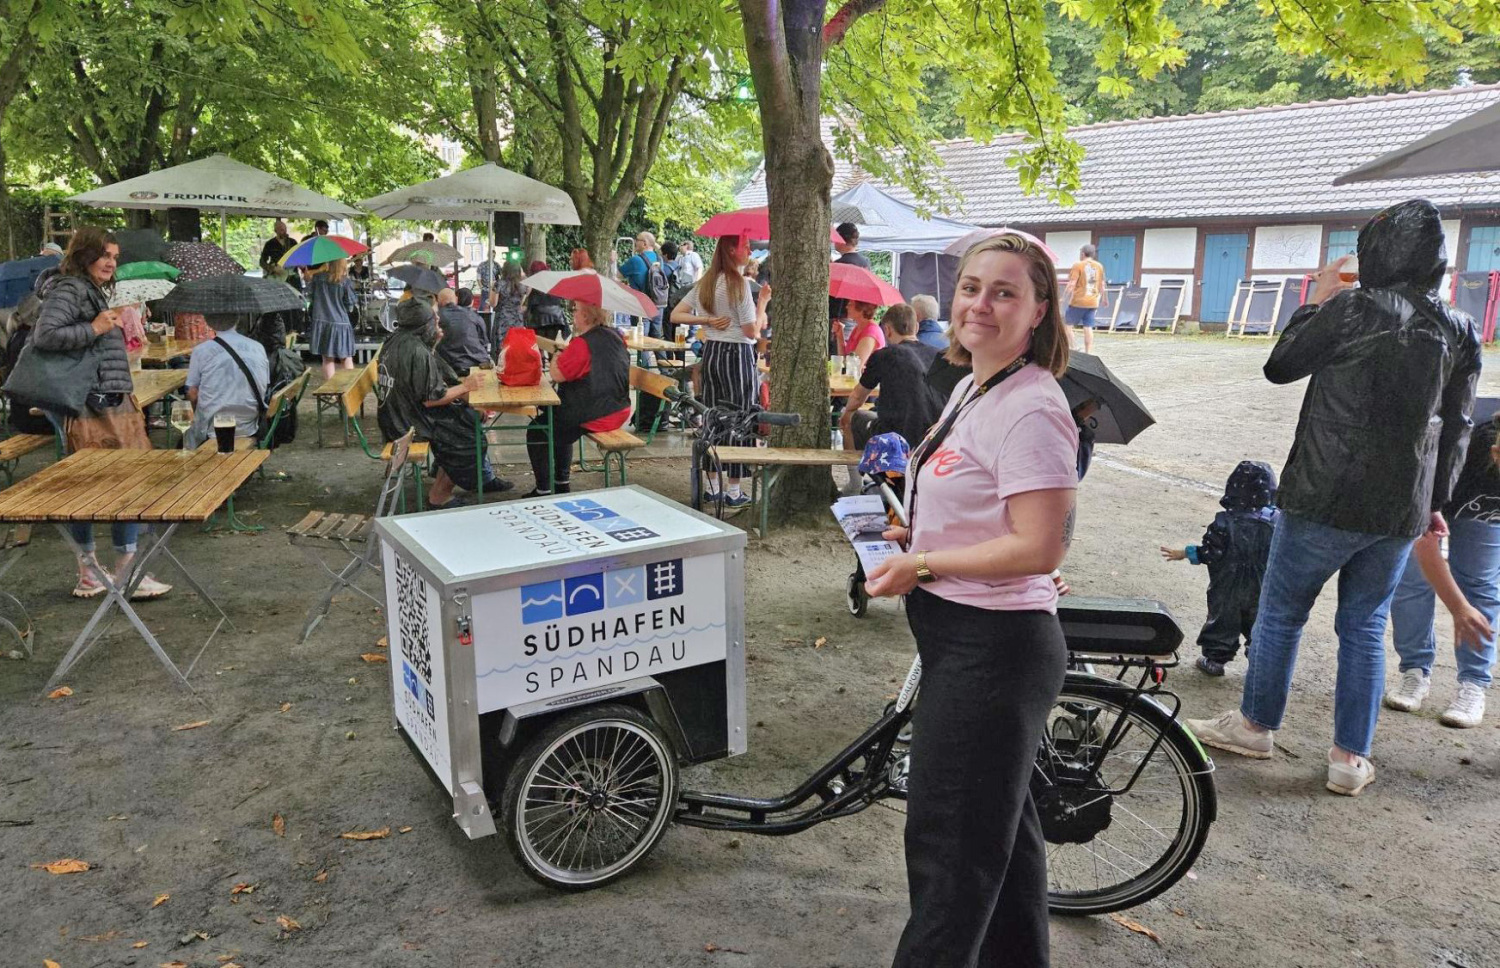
354 534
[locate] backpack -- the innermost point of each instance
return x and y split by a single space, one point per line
523 361
656 283
681 282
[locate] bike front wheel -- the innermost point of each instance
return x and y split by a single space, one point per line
1125 795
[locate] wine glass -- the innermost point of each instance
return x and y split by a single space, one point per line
182 416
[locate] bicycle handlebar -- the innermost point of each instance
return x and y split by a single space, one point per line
778 419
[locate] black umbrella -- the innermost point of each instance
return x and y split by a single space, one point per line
141 245
201 260
1121 415
231 294
418 277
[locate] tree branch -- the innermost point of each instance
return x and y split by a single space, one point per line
838 25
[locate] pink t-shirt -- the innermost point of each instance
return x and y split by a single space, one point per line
1018 437
865 331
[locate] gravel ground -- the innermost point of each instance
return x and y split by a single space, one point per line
1404 875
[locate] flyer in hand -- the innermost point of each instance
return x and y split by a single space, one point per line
864 520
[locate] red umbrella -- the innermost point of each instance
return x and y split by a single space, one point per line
587 286
846 281
750 223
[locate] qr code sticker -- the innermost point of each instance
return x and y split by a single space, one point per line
411 608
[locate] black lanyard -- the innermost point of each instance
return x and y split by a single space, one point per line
935 437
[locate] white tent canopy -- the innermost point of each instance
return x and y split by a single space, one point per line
217 184
900 228
475 195
1471 144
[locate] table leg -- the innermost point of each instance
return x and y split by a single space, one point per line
551 450
116 597
479 449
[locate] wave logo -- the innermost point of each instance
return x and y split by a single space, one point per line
550 601
610 522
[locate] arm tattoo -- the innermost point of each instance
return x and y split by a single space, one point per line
1067 535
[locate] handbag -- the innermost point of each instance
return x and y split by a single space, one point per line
55 380
119 428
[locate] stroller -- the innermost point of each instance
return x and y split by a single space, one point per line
882 470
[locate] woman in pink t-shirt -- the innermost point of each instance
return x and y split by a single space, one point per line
866 337
990 501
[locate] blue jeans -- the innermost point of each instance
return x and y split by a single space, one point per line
124 536
1304 555
1474 559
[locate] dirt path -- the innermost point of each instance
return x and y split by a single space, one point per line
1407 875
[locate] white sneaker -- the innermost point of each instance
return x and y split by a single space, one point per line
1408 696
1350 778
1231 732
148 589
1467 708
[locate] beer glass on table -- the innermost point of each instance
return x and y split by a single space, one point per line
224 427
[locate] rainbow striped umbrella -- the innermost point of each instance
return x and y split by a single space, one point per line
322 248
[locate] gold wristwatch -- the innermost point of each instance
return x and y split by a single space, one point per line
924 574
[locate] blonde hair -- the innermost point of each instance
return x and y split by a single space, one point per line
723 264
337 270
1049 340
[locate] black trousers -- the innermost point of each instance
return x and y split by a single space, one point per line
565 437
975 859
1231 616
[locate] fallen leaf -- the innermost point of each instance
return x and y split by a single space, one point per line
160 900
373 657
410 946
107 936
242 888
287 924
174 964
710 947
286 706
320 876
404 830
140 944
118 816
279 825
380 834
382 642
822 640
1135 926
49 963
232 964
201 722
61 692
65 866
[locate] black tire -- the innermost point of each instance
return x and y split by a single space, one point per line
1176 790
857 599
570 777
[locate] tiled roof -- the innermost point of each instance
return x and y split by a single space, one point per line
1271 162
846 174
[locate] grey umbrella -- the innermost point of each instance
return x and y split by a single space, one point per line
1121 415
231 294
418 277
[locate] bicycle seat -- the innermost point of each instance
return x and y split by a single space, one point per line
1118 626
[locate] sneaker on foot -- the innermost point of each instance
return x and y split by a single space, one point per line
1349 778
534 492
741 500
1231 732
1209 667
497 485
148 589
88 587
1467 708
1408 696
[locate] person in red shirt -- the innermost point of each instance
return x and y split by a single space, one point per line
592 375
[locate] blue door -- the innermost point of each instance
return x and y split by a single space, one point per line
1223 268
1484 249
1117 254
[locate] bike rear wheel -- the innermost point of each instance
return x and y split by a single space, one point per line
1124 811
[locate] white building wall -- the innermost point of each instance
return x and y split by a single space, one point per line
1169 249
1286 247
1066 245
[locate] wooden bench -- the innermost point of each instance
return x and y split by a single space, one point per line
770 461
13 544
345 393
13 448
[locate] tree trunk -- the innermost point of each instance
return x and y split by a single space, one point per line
785 61
12 70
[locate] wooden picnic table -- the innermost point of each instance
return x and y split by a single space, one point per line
493 398
650 344
168 350
840 385
167 487
151 386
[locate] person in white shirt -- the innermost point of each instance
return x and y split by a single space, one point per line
690 260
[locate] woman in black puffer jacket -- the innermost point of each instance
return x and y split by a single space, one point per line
75 314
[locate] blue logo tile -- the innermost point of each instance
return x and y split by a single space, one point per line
541 602
586 510
664 579
625 587
585 593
